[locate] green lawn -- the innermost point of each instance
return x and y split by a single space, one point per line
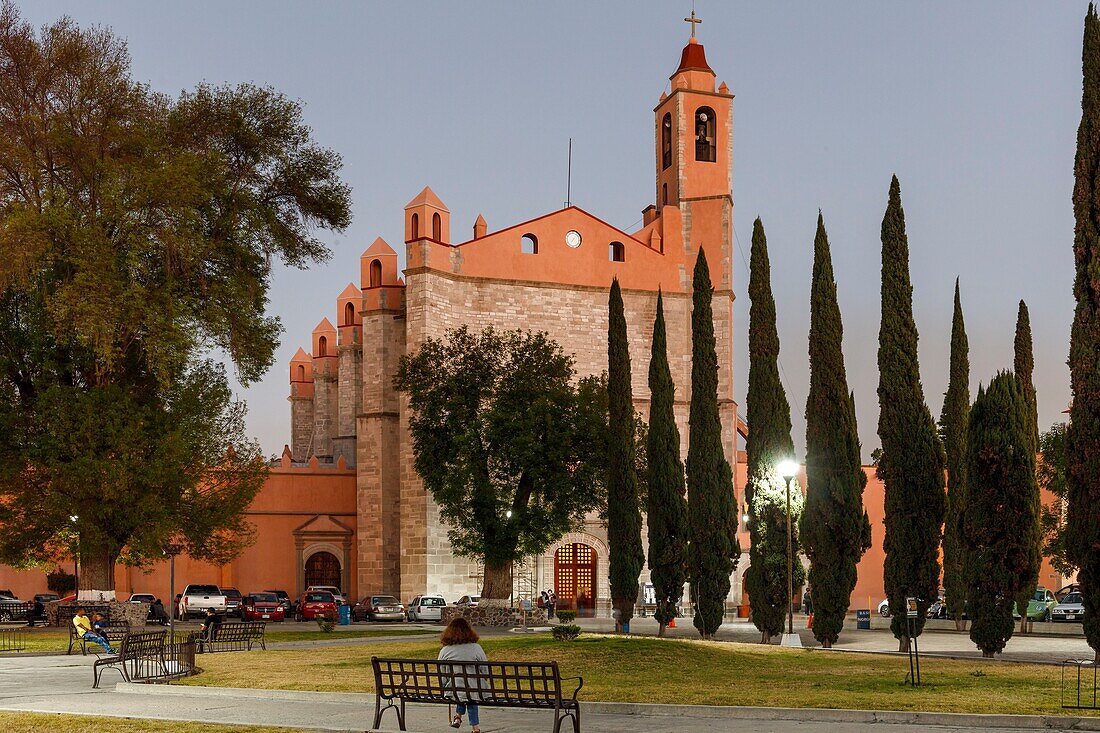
38 722
680 671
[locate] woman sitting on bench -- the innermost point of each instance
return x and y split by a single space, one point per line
460 645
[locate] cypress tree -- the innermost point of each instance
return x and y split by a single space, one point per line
912 462
1024 367
1002 515
1083 433
769 442
953 419
712 513
666 512
835 527
624 519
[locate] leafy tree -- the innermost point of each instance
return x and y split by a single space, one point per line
1002 514
1083 434
1024 369
1051 475
835 527
666 510
624 516
508 447
138 234
953 421
912 461
712 513
769 442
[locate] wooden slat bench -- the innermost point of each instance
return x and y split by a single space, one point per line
491 684
235 637
115 632
135 653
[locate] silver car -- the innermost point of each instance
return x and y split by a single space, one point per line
1072 608
426 608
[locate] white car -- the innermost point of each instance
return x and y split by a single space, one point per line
197 599
1072 608
470 601
884 608
426 608
336 593
142 598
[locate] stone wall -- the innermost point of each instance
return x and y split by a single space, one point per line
500 616
134 613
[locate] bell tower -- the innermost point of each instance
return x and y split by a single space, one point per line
694 131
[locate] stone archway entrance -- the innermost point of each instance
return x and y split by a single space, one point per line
575 578
322 568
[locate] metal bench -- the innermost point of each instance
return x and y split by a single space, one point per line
135 653
115 632
492 684
234 637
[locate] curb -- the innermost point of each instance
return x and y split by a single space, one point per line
686 712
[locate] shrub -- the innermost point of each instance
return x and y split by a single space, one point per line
567 617
567 632
60 582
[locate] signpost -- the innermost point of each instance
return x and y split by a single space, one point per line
911 615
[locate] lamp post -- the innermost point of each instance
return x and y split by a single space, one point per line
171 549
76 559
788 469
511 571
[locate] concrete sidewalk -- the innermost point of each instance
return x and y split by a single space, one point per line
63 685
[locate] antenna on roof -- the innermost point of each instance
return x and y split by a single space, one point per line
569 175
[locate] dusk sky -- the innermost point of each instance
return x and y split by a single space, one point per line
973 105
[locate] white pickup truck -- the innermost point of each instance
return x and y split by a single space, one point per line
196 599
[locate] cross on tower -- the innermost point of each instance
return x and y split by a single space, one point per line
694 21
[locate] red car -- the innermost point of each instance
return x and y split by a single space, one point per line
315 603
261 607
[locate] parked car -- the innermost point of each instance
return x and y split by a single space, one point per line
232 601
426 608
315 603
261 607
470 601
1071 608
46 597
884 608
1040 606
12 609
5 593
142 598
336 593
1065 590
378 608
285 600
196 599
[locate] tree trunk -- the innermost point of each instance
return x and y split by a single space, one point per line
765 637
960 624
903 644
661 631
826 644
97 570
1023 624
987 655
497 586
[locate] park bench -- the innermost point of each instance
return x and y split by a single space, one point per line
139 656
535 685
234 637
115 631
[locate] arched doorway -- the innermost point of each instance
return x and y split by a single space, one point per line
322 568
575 578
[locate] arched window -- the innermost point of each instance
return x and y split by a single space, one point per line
415 227
615 252
704 134
301 373
664 194
323 568
529 245
349 314
322 346
376 272
666 141
437 228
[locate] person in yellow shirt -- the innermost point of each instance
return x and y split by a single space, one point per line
84 631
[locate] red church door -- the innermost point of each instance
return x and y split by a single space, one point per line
575 578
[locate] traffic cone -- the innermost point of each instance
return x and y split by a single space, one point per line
672 623
810 621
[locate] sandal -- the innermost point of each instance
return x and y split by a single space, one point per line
456 721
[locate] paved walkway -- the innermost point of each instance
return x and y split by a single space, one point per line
63 685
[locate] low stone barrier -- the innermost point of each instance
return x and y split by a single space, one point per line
493 616
61 614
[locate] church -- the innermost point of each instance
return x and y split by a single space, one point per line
344 505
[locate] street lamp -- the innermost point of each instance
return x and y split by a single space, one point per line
511 571
171 549
788 469
76 559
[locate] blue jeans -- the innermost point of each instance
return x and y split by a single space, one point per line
461 710
89 636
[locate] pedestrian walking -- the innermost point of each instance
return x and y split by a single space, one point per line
552 604
460 645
